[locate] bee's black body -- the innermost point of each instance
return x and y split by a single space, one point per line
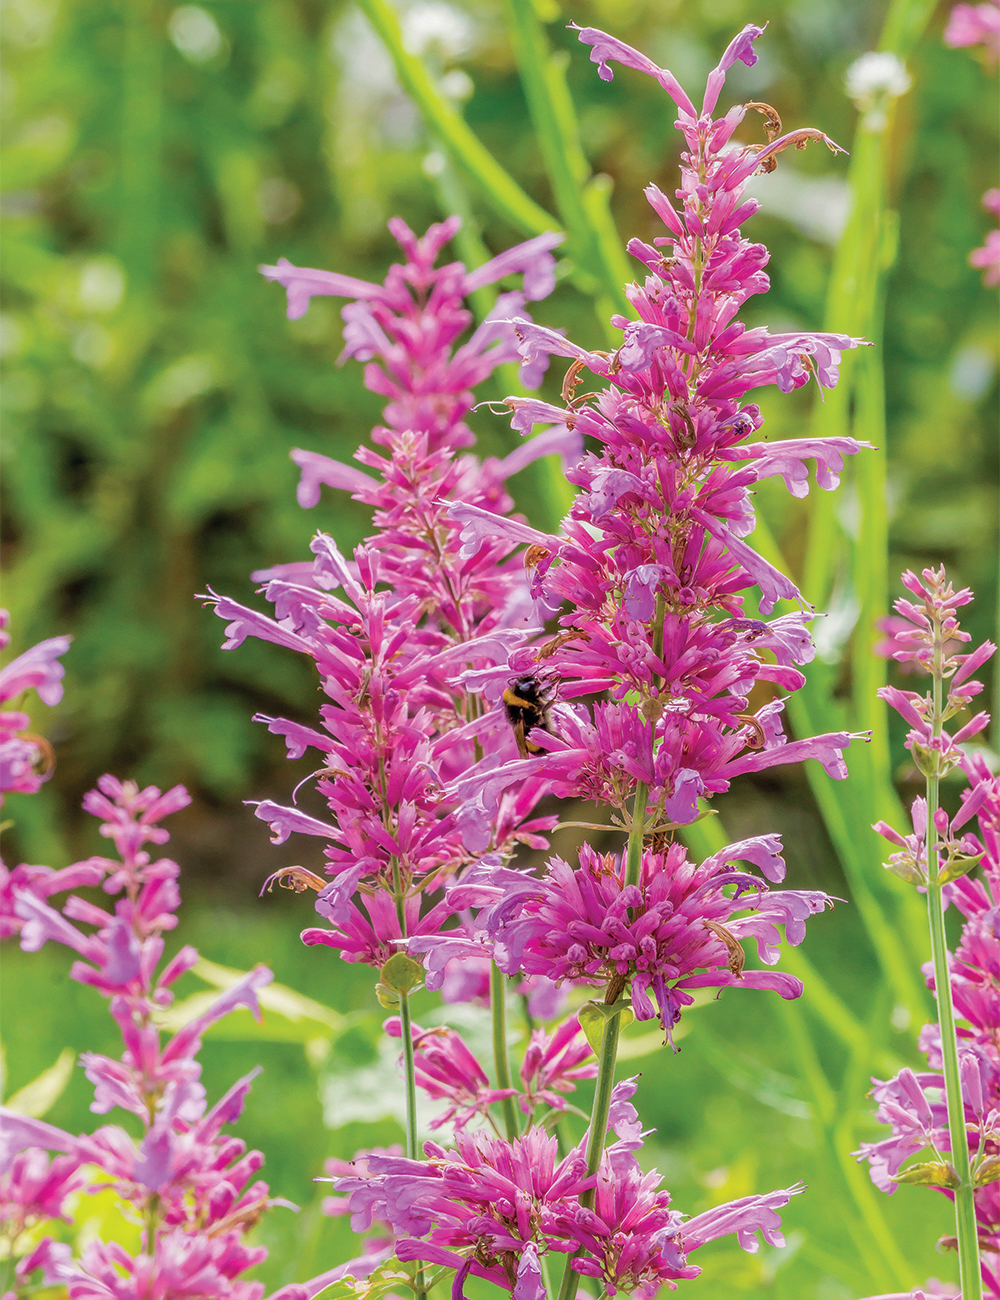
527 701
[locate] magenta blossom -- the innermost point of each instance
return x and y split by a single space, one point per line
26 760
447 1070
493 1208
680 928
404 633
976 25
193 1187
552 1065
912 1104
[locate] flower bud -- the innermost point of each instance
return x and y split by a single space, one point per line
933 1174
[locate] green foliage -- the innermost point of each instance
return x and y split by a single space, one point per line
155 155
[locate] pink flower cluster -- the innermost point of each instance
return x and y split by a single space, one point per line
447 1070
514 1202
652 564
417 623
924 625
975 25
680 927
913 1103
193 1187
26 760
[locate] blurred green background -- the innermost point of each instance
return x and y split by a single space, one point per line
154 156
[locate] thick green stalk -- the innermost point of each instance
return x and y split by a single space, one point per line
598 1132
406 1023
409 1064
609 1044
633 860
965 1210
409 1076
498 1006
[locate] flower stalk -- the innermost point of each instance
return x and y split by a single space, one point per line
410 1076
498 1008
943 851
598 1130
610 1038
966 1229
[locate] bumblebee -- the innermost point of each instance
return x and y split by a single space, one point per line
527 701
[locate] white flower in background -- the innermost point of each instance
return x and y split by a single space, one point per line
437 27
195 33
457 85
278 200
872 80
102 284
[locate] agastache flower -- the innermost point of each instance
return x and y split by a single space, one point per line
193 1187
975 25
553 1062
494 1208
400 632
26 760
447 1070
650 568
679 928
928 637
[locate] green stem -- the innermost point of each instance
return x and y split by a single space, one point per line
466 149
409 1064
965 1211
594 241
598 1132
498 1005
410 1080
633 860
609 1046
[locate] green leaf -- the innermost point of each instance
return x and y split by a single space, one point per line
39 1096
932 1174
386 1278
957 868
593 1016
401 974
592 1023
